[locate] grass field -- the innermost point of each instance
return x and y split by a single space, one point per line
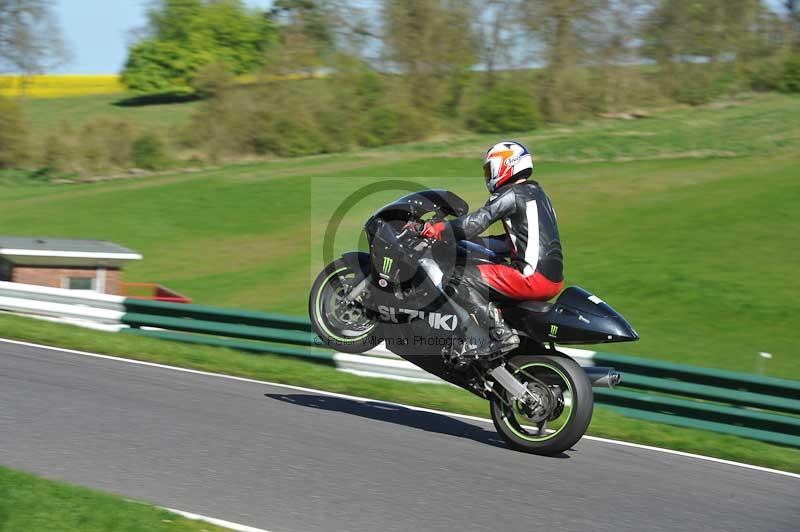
32 504
686 222
272 368
43 115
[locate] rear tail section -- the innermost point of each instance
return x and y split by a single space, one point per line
576 317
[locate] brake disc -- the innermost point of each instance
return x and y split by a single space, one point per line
347 313
541 404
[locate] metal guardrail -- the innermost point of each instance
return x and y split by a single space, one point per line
29 294
76 305
757 407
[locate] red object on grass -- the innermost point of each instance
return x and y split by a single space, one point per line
157 292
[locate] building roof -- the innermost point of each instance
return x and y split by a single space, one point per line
64 251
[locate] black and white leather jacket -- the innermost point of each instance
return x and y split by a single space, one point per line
531 229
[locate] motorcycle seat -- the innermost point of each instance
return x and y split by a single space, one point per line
538 307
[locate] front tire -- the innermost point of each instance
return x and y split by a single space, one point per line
346 327
567 416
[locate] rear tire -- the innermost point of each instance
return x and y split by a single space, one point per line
346 328
575 416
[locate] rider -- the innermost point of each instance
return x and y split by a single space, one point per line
531 239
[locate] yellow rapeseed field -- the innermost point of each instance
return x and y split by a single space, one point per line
60 86
66 85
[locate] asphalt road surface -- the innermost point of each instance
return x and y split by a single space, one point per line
287 460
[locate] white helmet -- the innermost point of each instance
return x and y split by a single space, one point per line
506 162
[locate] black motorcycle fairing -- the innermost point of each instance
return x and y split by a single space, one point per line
415 337
417 204
416 341
576 317
358 262
393 257
584 301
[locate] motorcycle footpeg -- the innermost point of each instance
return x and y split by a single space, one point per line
458 362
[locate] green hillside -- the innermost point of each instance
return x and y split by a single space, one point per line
44 114
686 222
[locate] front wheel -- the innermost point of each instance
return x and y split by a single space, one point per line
343 325
561 415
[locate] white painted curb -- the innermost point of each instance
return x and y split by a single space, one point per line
214 521
380 362
382 367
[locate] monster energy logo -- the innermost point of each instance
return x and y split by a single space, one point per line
387 264
553 330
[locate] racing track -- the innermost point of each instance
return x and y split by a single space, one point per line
288 460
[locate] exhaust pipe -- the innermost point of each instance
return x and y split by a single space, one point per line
602 377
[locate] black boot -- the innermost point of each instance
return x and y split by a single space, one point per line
485 331
489 334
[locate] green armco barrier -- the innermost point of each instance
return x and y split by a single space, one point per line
711 393
249 332
713 377
788 440
217 314
240 345
695 409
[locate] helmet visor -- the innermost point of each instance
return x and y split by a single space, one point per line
487 170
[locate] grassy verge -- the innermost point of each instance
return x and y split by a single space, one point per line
290 371
33 504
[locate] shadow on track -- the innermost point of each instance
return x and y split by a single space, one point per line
399 415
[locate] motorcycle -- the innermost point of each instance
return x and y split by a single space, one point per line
398 293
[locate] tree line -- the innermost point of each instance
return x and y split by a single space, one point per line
316 76
583 53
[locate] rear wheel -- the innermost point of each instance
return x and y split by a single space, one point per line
562 413
343 325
